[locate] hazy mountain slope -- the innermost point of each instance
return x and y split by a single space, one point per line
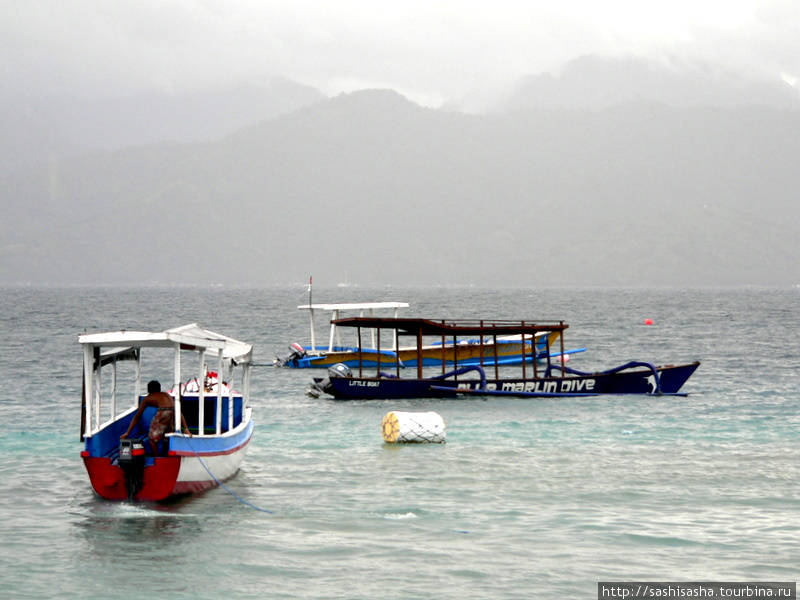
37 128
640 194
596 82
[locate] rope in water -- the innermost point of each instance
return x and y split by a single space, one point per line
223 486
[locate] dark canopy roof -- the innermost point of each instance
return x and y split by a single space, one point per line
413 326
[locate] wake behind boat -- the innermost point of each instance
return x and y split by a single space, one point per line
529 379
220 425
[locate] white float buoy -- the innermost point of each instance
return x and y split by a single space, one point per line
407 427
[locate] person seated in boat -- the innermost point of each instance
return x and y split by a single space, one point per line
164 420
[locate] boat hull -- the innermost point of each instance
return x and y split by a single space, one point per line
636 381
465 353
192 465
322 359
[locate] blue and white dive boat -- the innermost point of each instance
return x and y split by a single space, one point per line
219 418
491 377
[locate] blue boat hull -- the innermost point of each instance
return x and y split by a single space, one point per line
669 381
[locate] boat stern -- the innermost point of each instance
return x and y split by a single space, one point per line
111 482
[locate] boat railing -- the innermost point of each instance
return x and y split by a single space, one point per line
215 415
448 332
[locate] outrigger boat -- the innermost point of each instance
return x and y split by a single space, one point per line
221 426
369 353
553 379
314 356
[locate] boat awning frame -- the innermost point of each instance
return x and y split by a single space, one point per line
101 349
454 329
364 308
354 306
417 327
121 344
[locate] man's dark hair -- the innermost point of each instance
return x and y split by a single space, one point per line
153 387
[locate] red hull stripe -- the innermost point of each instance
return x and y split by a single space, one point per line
190 487
207 454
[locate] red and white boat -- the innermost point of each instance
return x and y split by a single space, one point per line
219 418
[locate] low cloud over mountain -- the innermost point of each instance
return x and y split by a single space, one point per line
637 193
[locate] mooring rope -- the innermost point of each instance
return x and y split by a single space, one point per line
222 485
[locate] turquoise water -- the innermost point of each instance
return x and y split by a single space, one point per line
527 499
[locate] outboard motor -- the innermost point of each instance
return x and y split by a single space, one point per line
319 387
339 370
131 461
296 352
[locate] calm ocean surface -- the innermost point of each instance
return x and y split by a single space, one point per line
528 499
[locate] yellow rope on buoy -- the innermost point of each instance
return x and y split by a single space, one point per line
409 427
391 428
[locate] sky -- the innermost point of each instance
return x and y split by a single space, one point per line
431 51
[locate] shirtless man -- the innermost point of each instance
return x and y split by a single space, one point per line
164 420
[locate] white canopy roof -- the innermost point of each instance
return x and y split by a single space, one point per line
190 337
354 306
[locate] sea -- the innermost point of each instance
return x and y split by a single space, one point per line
526 499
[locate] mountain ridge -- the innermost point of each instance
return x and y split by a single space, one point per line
401 194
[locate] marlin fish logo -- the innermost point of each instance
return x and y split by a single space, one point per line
651 379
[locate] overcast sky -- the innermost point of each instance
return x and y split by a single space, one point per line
429 50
